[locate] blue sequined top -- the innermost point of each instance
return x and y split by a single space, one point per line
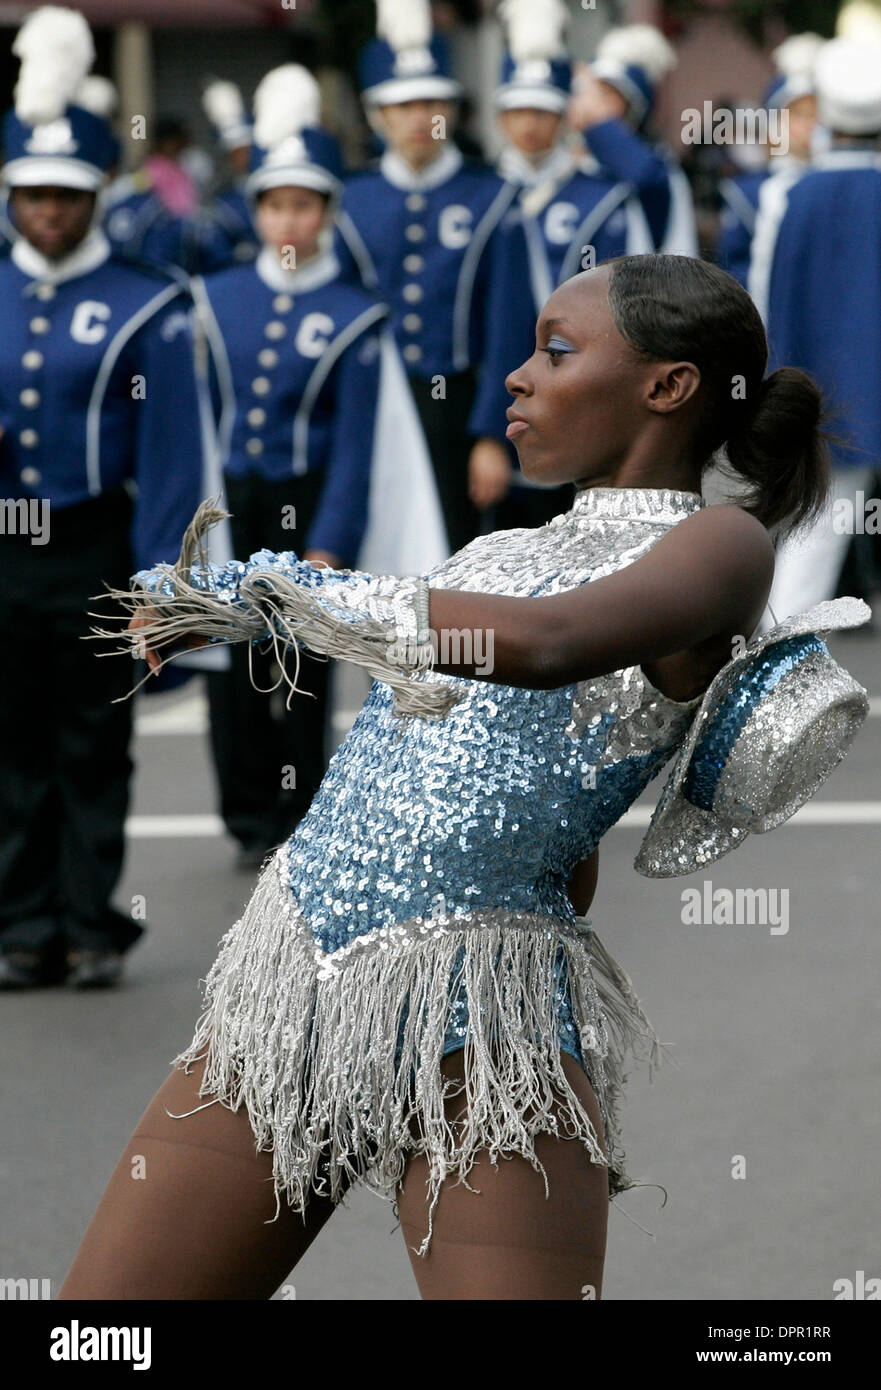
487 811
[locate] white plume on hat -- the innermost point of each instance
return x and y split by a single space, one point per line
223 104
534 30
797 55
639 45
859 19
404 23
286 101
848 80
56 51
98 95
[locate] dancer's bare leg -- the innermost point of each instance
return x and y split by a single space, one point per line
509 1241
193 1227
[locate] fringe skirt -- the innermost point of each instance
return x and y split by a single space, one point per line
337 1057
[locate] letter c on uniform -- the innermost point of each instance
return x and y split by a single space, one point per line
314 334
89 318
561 222
454 226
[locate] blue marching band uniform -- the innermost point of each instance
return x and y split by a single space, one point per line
572 210
423 240
740 194
816 277
332 405
297 369
101 445
228 235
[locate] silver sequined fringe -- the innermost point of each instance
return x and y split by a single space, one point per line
272 606
307 1043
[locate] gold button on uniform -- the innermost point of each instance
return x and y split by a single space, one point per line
412 323
29 439
39 324
29 397
413 264
267 357
261 386
32 360
282 304
30 476
414 232
275 329
254 447
45 291
256 417
412 293
412 353
414 202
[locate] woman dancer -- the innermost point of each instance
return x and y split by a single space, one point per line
410 995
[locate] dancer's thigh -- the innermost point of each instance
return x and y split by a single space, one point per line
185 1213
508 1240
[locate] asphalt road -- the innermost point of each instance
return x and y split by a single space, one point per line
777 1039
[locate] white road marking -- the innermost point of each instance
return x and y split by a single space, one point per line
208 826
190 716
173 827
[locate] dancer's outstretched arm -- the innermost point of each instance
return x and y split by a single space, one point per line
706 576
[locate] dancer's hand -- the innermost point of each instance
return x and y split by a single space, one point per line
141 621
323 557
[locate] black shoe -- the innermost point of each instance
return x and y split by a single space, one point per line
22 969
93 969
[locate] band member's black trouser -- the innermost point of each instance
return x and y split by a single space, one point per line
444 410
64 745
269 761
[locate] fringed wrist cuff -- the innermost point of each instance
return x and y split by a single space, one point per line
381 624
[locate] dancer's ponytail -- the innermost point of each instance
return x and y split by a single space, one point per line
781 452
680 308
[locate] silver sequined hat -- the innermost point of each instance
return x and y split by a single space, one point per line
770 728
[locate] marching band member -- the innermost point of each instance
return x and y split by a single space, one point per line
150 214
816 278
101 441
232 235
791 95
419 230
612 107
304 375
564 207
